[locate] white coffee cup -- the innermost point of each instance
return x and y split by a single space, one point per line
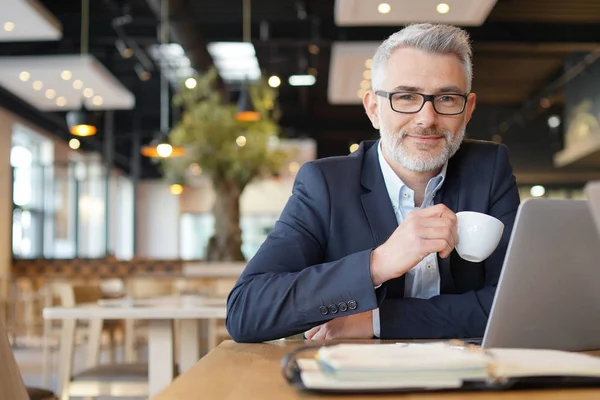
478 235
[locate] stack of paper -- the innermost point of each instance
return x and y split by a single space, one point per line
394 365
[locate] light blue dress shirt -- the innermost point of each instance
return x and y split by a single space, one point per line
423 280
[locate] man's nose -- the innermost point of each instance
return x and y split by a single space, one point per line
427 117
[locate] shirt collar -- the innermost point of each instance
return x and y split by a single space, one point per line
394 184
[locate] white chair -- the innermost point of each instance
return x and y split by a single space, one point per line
69 294
114 380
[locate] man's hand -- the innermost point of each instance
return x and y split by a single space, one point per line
356 326
430 230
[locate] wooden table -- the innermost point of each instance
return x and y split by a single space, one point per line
252 371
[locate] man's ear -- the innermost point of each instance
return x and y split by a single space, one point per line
370 104
471 100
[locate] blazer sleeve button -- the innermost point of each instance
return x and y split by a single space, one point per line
352 305
342 306
333 309
324 310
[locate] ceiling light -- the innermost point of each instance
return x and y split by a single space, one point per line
368 63
97 100
367 74
77 84
353 147
81 123
361 93
124 50
302 80
537 191
176 189
9 26
61 101
554 121
190 83
545 102
142 74
241 141
160 149
235 61
24 76
38 85
164 150
274 81
74 144
88 92
50 93
443 8
66 75
365 84
384 8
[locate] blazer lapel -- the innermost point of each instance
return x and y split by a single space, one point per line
375 200
448 195
378 208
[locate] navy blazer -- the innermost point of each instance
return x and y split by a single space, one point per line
315 263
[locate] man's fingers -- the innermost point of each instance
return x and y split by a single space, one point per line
442 232
439 210
311 332
318 334
440 246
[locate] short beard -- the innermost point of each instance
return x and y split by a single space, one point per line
393 143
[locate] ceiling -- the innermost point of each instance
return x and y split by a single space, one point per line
518 52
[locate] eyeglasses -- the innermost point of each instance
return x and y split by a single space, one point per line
412 103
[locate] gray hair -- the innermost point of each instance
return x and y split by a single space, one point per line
435 39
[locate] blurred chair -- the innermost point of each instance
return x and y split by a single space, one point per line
67 294
217 331
95 380
11 382
136 332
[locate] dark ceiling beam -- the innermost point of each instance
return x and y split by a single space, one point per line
490 32
183 30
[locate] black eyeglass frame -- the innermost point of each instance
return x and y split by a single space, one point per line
426 98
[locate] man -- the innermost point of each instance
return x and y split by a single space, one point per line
365 245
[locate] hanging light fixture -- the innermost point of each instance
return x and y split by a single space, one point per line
160 146
245 108
81 122
161 149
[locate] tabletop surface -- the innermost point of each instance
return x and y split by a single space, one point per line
252 371
151 308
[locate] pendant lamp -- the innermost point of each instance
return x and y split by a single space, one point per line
245 108
160 146
81 122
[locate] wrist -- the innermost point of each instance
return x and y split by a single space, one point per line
377 267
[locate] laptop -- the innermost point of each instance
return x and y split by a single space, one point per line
592 192
11 382
548 295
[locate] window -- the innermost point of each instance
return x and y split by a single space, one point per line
31 159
